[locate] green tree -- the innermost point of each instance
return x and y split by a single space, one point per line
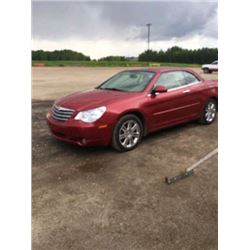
58 55
180 55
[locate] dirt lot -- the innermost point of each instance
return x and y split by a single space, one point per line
95 198
54 82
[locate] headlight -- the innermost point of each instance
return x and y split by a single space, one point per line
91 115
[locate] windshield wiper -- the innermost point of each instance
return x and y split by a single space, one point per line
115 89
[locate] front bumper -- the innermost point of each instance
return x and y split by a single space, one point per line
80 133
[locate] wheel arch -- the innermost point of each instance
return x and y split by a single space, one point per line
216 99
140 115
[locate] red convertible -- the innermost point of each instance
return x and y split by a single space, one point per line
131 104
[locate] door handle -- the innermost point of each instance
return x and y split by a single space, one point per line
186 91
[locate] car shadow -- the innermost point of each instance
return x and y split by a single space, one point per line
103 150
155 136
90 150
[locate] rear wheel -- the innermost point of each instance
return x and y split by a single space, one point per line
127 133
209 112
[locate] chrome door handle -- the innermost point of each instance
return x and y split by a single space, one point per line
186 91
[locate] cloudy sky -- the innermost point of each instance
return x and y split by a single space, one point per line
100 29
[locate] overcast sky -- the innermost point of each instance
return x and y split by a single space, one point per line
99 29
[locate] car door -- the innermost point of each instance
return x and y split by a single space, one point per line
174 106
195 87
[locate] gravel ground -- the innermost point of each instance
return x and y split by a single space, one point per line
96 198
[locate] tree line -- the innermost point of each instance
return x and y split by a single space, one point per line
113 58
180 55
171 55
59 55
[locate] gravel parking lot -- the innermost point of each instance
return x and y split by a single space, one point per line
96 198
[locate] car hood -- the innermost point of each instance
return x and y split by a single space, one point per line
205 65
92 99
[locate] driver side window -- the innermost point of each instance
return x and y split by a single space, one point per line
171 79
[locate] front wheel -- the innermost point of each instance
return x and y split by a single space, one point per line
207 71
127 133
209 112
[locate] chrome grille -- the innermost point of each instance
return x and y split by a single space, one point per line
61 114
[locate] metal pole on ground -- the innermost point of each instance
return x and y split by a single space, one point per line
190 170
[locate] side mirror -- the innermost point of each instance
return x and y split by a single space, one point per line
159 89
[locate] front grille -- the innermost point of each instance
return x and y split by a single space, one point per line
61 114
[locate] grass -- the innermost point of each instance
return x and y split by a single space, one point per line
109 64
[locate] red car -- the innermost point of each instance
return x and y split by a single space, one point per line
131 104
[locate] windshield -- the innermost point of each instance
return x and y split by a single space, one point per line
128 81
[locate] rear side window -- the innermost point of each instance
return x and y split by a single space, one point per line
190 78
171 80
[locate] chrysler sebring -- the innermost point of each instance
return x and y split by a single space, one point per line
131 104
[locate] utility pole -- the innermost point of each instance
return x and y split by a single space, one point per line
148 24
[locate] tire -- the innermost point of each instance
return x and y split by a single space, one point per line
127 133
209 112
206 71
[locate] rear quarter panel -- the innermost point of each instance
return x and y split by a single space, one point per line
210 90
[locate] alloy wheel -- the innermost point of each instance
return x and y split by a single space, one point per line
129 134
210 112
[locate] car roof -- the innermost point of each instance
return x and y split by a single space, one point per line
165 69
159 70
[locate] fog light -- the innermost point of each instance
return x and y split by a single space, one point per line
83 141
